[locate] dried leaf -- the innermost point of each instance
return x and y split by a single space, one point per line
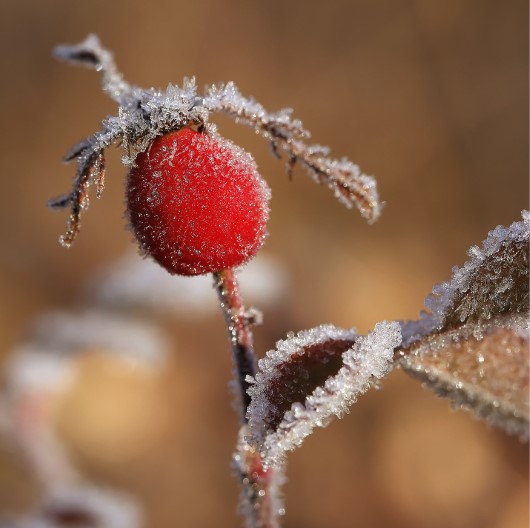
473 345
311 377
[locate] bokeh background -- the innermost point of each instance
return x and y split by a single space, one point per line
429 96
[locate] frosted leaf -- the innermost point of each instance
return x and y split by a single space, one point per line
145 114
473 345
138 283
311 377
494 281
485 372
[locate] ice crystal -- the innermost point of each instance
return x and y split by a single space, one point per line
144 115
492 282
473 345
311 377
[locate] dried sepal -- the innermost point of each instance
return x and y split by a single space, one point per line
344 178
143 115
473 345
91 54
310 378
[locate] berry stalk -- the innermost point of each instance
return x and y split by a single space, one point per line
238 322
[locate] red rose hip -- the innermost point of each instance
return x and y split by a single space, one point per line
196 203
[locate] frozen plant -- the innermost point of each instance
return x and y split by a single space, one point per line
197 204
145 115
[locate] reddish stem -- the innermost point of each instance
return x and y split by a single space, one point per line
239 332
261 505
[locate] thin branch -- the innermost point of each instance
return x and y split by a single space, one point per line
261 503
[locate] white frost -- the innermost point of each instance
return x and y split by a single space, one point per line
496 248
369 359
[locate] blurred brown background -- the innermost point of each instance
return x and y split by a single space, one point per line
429 96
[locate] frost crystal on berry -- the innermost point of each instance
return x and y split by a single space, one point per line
196 203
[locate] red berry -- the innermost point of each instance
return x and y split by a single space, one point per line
196 203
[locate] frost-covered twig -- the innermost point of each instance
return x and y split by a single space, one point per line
260 487
144 115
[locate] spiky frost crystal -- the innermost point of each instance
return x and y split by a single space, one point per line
311 377
473 345
144 115
494 281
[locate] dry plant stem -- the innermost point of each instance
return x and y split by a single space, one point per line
255 480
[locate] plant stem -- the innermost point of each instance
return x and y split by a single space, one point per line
239 332
260 486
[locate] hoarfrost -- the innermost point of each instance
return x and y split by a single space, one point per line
473 345
493 281
335 366
144 115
